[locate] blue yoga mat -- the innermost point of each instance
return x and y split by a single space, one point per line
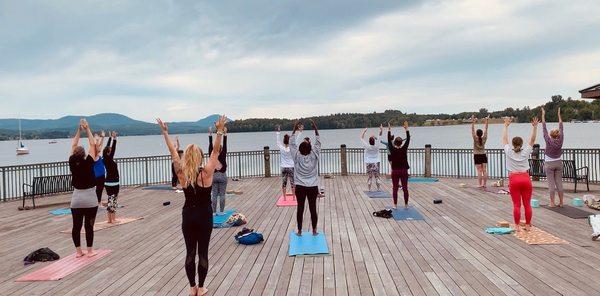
60 212
410 213
422 180
158 187
378 194
220 219
308 244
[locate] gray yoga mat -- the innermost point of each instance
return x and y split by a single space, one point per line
570 211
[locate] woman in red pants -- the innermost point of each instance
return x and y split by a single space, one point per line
517 163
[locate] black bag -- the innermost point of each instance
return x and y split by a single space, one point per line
40 255
387 213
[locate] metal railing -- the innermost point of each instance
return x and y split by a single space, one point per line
455 163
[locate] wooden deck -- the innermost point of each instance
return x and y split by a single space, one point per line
447 254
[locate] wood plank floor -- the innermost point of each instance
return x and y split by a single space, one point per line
446 254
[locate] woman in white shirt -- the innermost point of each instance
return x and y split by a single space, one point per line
372 158
517 164
287 163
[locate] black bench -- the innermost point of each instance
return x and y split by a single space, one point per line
536 169
47 185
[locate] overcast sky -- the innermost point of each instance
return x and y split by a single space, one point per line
183 60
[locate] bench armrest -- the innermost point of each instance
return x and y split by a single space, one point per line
26 185
587 170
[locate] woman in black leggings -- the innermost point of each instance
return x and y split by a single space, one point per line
112 177
84 204
197 217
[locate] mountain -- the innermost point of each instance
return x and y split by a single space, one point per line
126 126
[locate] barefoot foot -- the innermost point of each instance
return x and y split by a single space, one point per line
79 254
193 291
315 233
299 233
202 291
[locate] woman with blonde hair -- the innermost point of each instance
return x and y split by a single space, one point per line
553 159
517 163
196 178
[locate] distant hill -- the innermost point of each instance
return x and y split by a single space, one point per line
64 126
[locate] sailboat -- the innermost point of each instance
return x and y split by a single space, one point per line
21 148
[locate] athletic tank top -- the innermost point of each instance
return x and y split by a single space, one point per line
196 196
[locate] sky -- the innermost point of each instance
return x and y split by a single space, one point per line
184 60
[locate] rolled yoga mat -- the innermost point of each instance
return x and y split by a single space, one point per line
308 244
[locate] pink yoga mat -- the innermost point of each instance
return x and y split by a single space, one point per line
62 268
290 201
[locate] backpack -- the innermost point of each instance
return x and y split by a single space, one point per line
237 219
387 213
248 237
40 255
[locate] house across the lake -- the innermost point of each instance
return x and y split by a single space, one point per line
592 92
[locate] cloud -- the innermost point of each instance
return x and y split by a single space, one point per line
185 60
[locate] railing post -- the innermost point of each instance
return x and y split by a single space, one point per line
267 159
146 165
239 165
344 160
535 154
457 164
428 161
3 184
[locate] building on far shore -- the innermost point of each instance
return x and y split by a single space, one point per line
592 92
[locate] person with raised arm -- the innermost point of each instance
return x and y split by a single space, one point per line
517 164
286 163
553 159
112 177
372 158
99 169
479 156
306 163
219 185
174 180
196 178
84 204
398 148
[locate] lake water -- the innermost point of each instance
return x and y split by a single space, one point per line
577 135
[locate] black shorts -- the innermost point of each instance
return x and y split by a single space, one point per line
480 158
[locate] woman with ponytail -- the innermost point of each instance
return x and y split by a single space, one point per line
479 139
517 163
553 159
196 179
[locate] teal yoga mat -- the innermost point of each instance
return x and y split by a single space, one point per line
308 244
220 219
410 213
378 194
422 180
60 212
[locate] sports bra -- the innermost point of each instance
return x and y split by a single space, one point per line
196 196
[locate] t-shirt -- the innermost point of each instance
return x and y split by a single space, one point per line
306 167
83 172
399 156
517 161
479 148
371 154
287 159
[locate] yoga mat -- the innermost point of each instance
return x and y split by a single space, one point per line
422 180
62 268
220 219
60 212
158 187
410 213
378 194
104 225
289 201
308 244
570 211
536 236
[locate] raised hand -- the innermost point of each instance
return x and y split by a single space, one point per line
507 121
102 134
84 124
535 121
113 134
487 119
405 125
225 131
210 130
163 126
473 119
220 124
544 111
278 128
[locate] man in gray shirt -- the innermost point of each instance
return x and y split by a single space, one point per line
306 169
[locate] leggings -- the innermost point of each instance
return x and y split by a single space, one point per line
79 215
554 173
219 190
400 175
519 185
373 173
310 193
99 187
196 225
174 179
